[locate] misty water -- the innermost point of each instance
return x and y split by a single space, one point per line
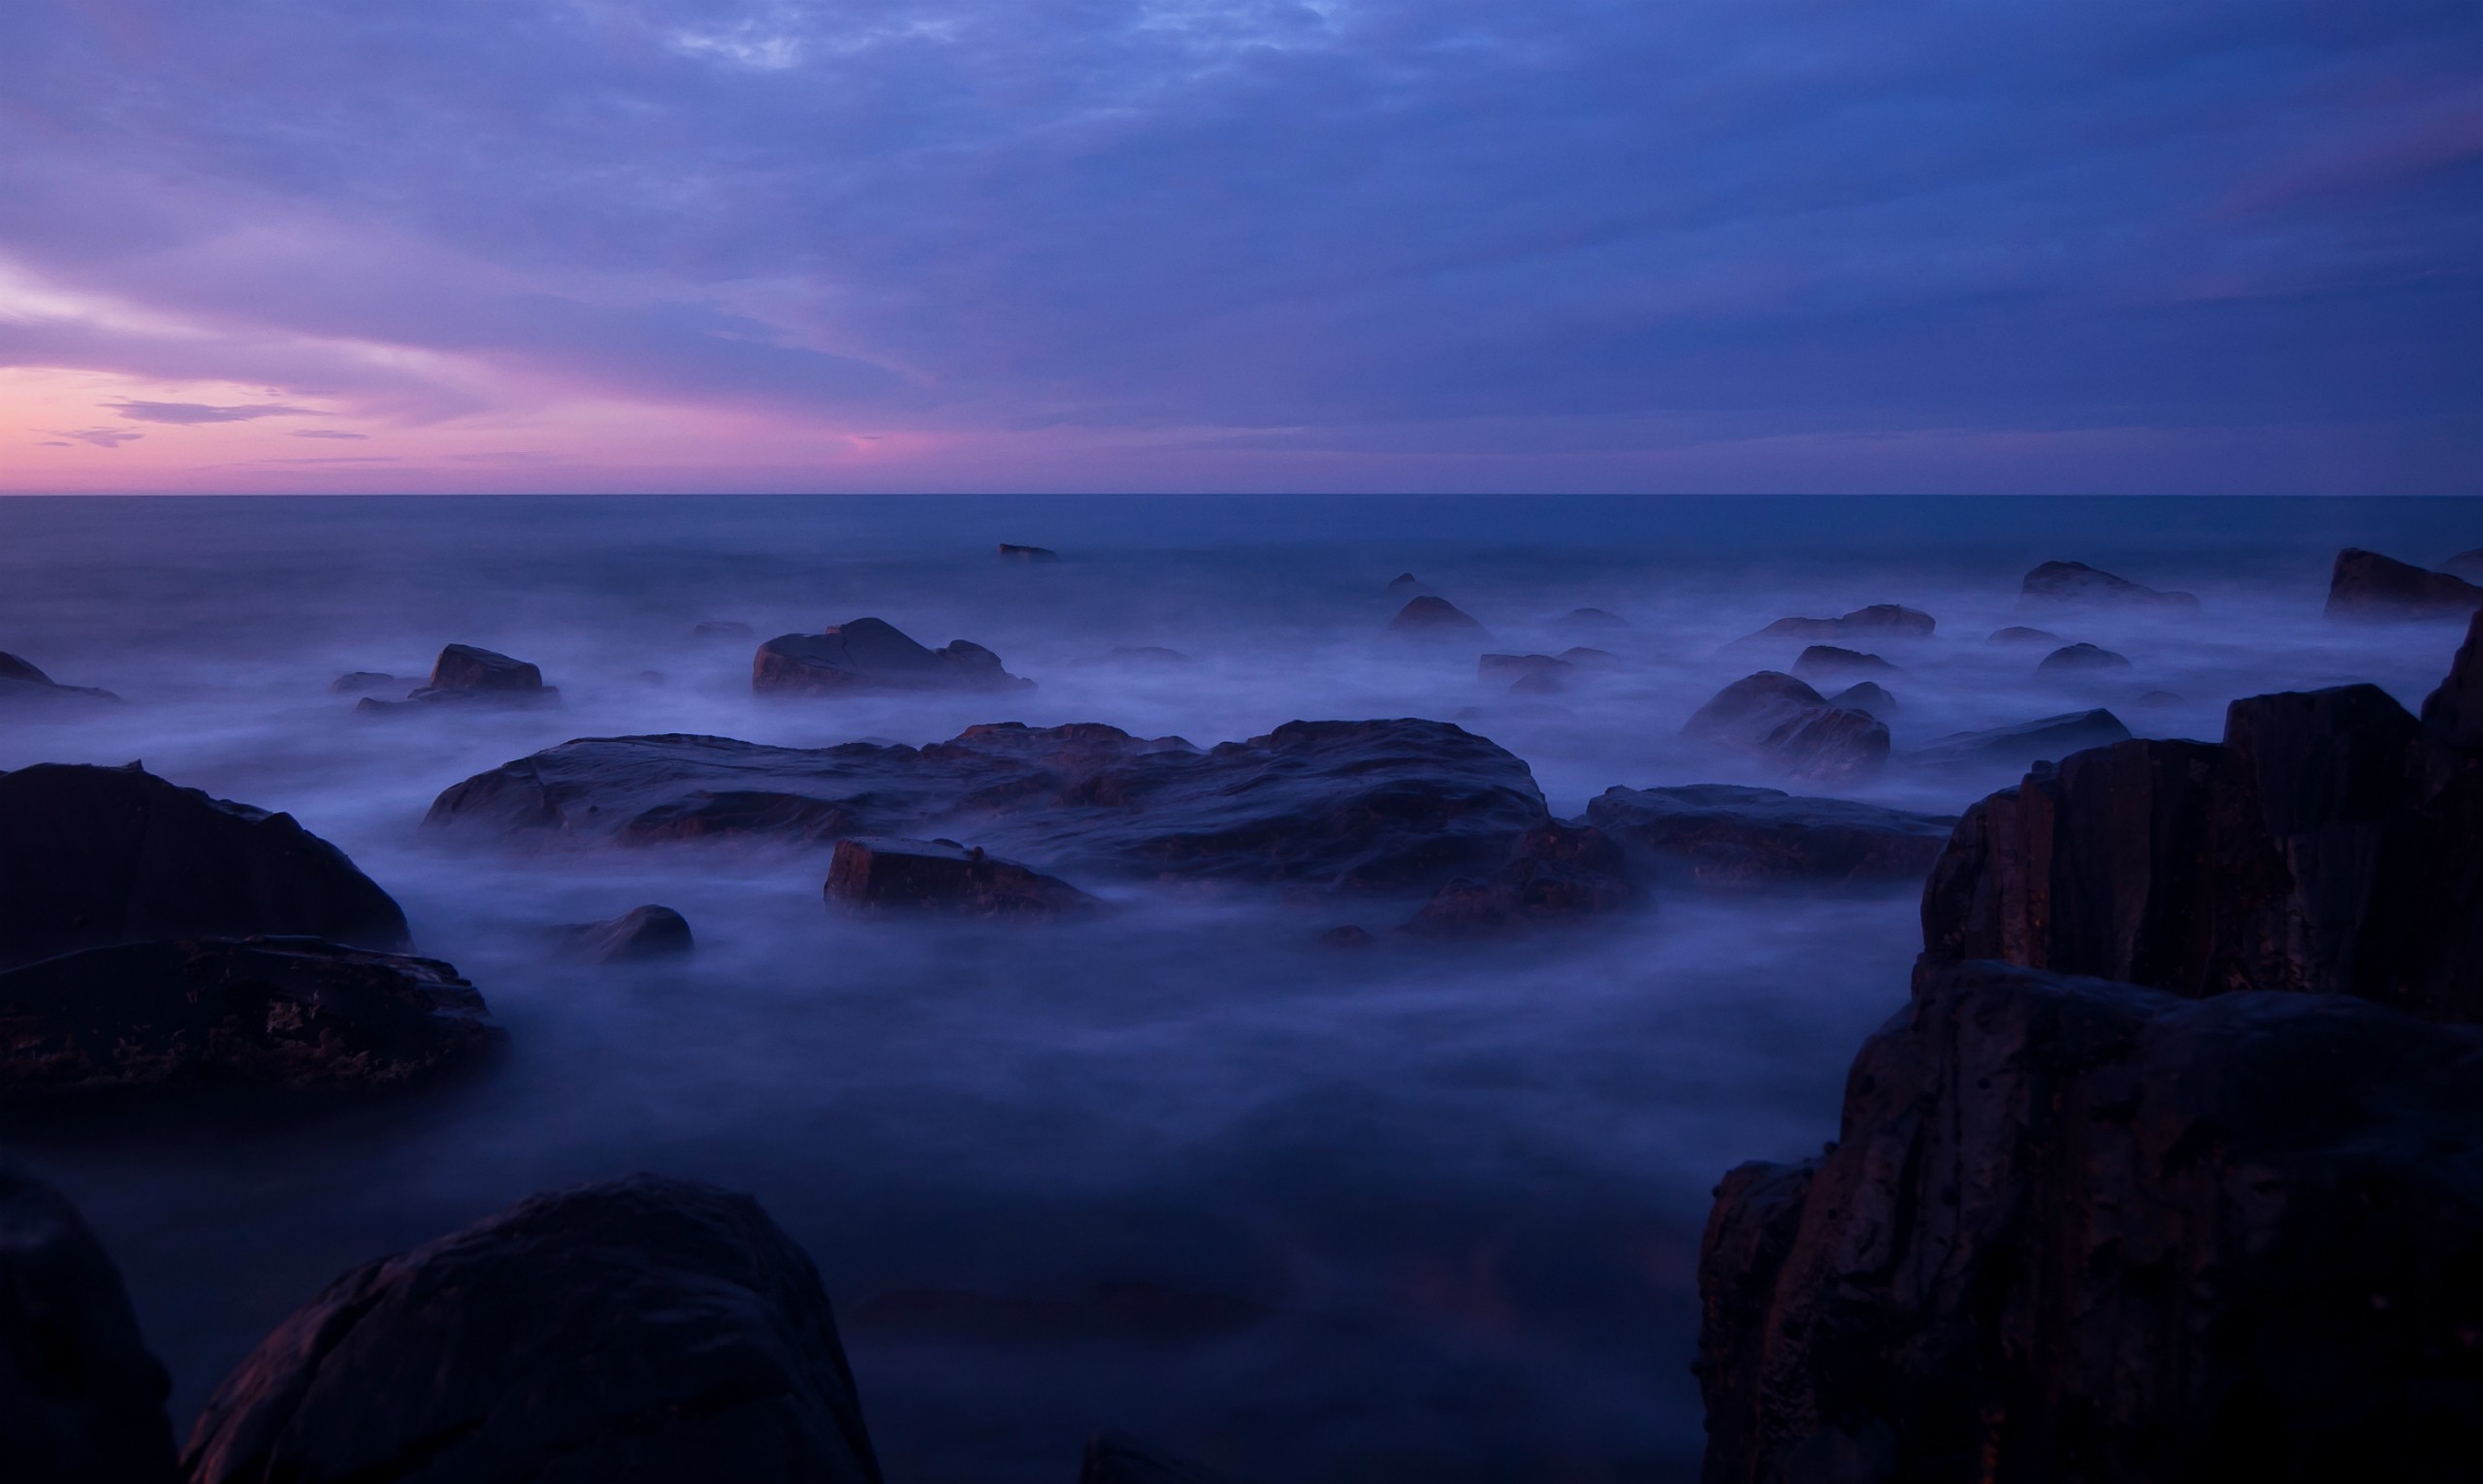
1418 1213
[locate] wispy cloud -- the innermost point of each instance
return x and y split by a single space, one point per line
100 437
328 433
193 413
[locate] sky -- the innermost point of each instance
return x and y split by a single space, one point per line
1718 246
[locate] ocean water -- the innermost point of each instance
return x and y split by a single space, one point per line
1414 1213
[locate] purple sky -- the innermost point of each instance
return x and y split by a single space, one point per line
1715 244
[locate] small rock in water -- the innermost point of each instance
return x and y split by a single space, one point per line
723 629
641 933
2160 698
467 674
1013 553
1436 618
355 682
882 874
2066 583
1587 657
2467 565
2020 633
1821 661
2082 656
1884 620
1867 698
1776 719
868 654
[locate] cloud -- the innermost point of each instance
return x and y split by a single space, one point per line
328 433
191 413
100 437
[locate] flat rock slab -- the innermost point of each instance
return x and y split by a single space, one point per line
1730 837
2052 737
289 1013
876 875
867 654
1362 806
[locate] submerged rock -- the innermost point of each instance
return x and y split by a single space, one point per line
2366 585
1014 553
2082 656
2019 746
19 680
2020 633
1590 621
1514 668
291 1014
1379 806
2079 1230
723 629
646 1329
2467 565
1780 721
1116 1458
1868 697
1828 661
1726 836
82 1401
1879 621
869 655
93 855
1435 618
1402 581
356 682
876 875
1556 875
2076 583
641 933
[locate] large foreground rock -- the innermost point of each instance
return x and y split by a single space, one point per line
290 1014
880 875
866 655
80 1400
2366 585
1724 836
1378 806
92 856
1784 724
2080 1231
2075 583
646 1331
2329 844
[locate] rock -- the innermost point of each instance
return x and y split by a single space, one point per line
1146 654
1009 553
647 1330
1821 661
355 682
1114 1314
93 855
1586 657
1728 837
638 934
1510 667
2467 565
1370 806
723 629
877 875
2082 656
199 1014
1402 581
867 654
82 1401
13 668
1556 876
2366 585
2075 582
2160 698
1539 683
1867 698
19 680
2079 1230
466 675
1349 936
1435 618
1116 1458
1879 621
2020 633
1590 621
1779 720
2019 746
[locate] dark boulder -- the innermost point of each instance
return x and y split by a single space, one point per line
723 629
641 933
291 1014
1116 1458
2467 565
2056 583
467 675
92 856
1403 581
356 682
1513 667
1352 935
868 654
82 1401
2082 657
1013 553
1590 621
646 1329
1783 723
2366 585
2020 633
2072 1230
1869 697
1727 837
1555 876
2022 745
1879 621
879 875
1435 618
1372 806
19 680
1828 661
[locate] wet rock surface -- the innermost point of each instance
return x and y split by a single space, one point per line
92 856
1781 722
642 933
1435 618
1829 661
2080 1230
1869 697
1556 875
1726 836
199 1015
2020 746
647 1330
867 654
881 876
1371 806
465 674
2082 657
2366 585
82 1401
2075 583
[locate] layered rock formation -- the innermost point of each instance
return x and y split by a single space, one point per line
1724 836
867 654
1783 723
82 1401
647 1330
879 875
2366 585
1378 806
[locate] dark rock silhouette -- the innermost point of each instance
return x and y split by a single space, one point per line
2076 583
93 855
2019 746
647 1330
880 875
203 1014
1556 875
2082 656
2020 633
1379 806
1116 1458
1828 661
2366 585
1869 697
1726 836
356 682
1588 658
2079 1230
1352 935
1404 580
19 680
1012 553
870 655
1879 621
1780 721
723 629
1435 618
1515 668
1590 621
467 675
82 1401
641 933
2467 565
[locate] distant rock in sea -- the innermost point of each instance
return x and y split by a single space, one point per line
1436 618
468 675
2366 585
2074 583
2082 656
1014 553
635 936
21 680
866 655
1781 722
